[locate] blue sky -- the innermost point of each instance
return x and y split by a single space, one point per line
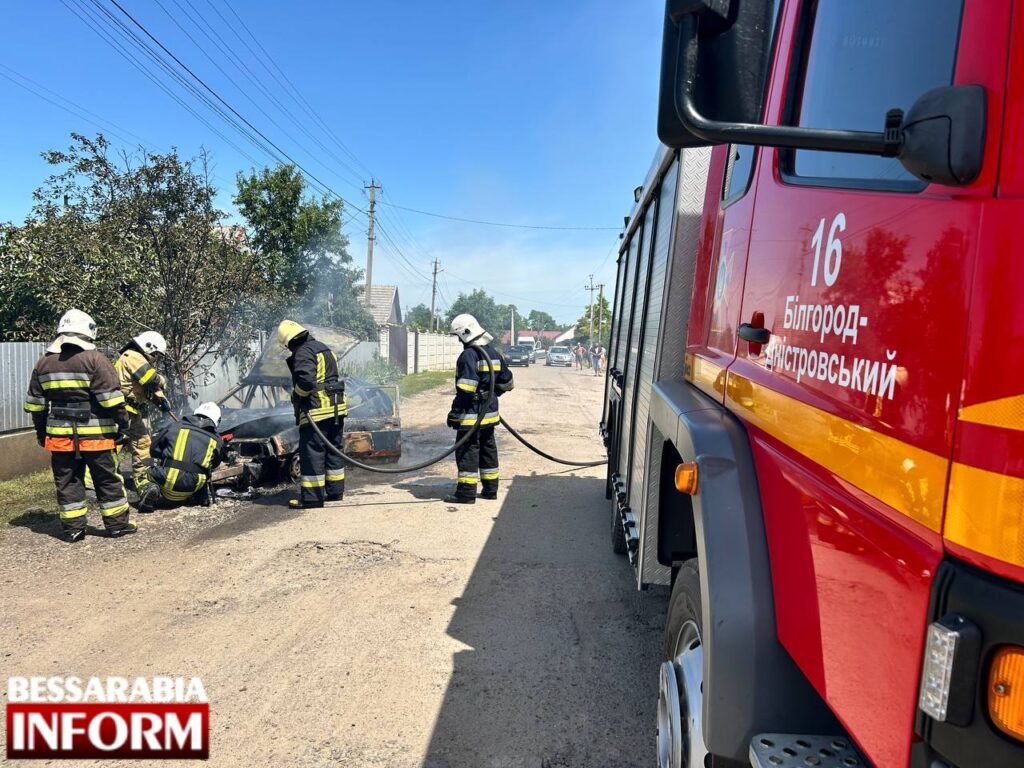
537 112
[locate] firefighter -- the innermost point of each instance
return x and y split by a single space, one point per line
318 393
183 455
141 385
78 411
477 458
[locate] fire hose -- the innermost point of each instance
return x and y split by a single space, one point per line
484 404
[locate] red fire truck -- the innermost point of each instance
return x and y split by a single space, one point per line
815 403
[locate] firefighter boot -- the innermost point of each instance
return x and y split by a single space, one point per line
148 498
456 498
74 536
124 529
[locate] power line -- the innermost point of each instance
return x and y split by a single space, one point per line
211 34
496 223
86 15
297 95
227 105
75 109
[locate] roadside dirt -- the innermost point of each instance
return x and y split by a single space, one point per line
393 631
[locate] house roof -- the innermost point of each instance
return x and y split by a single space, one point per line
384 304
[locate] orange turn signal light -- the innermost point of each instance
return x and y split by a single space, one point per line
1006 691
686 478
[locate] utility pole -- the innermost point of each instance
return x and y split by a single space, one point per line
373 186
591 289
600 311
512 332
433 298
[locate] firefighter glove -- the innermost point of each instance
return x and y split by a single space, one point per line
454 419
164 404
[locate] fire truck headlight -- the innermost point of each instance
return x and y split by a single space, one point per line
949 670
1006 691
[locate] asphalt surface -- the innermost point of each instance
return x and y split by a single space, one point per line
394 630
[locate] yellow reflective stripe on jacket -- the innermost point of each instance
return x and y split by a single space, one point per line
83 430
205 463
488 419
110 399
481 365
466 385
179 454
321 378
149 373
66 384
34 407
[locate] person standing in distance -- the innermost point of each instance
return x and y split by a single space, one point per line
477 457
318 394
78 412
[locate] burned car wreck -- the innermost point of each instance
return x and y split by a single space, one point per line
258 415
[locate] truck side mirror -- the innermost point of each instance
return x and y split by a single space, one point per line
713 70
944 135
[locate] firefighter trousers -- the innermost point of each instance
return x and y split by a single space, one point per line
477 460
322 472
69 478
139 443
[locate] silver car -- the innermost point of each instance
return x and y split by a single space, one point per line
559 356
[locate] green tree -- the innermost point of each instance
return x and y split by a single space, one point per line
541 321
418 318
137 242
303 250
492 316
602 322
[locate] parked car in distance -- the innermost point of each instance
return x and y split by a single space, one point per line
520 354
559 356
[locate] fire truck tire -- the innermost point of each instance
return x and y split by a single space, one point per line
680 698
618 535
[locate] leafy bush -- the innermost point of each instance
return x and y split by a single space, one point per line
376 371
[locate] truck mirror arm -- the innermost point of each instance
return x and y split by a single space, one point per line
885 143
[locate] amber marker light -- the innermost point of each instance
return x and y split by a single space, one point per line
686 478
1006 691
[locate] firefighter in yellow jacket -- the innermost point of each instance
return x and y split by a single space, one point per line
318 394
141 384
78 412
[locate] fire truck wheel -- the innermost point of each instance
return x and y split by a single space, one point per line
680 699
618 536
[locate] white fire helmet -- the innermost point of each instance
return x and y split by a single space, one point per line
469 331
151 343
210 411
77 322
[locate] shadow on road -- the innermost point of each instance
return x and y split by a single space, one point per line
563 651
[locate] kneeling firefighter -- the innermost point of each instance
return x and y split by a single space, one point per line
477 458
183 455
318 393
78 412
141 384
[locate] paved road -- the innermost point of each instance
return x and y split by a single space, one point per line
395 631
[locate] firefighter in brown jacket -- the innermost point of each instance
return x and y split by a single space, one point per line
78 412
141 384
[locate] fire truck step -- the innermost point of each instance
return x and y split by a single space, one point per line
795 750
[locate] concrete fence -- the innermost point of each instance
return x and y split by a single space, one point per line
420 351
